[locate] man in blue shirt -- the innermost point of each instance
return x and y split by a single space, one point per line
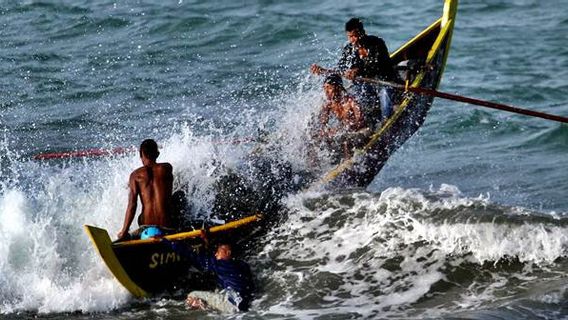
234 279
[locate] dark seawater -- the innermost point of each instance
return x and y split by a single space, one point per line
468 220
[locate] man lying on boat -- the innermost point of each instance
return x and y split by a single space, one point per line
234 279
341 122
365 56
153 183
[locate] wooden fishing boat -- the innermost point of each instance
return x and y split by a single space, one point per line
425 58
148 267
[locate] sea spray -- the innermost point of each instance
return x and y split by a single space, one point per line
47 263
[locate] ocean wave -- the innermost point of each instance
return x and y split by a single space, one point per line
405 249
554 138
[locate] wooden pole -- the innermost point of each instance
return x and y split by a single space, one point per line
478 102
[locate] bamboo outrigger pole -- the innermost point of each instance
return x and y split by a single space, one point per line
478 102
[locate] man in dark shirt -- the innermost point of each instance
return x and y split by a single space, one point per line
374 59
233 276
354 31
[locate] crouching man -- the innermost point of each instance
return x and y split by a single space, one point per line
234 279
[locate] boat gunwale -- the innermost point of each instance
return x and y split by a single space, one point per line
106 249
425 32
191 234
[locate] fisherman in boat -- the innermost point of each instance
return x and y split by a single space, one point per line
153 183
341 122
349 58
233 276
376 64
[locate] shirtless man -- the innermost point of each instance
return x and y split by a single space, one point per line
153 183
342 109
342 106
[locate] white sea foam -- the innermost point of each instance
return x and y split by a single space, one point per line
47 263
394 247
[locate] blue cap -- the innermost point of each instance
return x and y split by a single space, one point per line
151 232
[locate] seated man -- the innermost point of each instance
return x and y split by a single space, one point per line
354 31
340 120
233 277
153 182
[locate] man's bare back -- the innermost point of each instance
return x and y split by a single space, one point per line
153 183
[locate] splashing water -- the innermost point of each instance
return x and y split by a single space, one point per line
47 263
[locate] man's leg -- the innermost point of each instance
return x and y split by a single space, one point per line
385 95
195 303
215 300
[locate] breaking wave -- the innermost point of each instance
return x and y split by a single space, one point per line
422 253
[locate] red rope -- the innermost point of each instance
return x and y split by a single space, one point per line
96 152
84 153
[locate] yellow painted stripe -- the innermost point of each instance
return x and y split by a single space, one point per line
450 11
438 43
236 223
421 35
102 243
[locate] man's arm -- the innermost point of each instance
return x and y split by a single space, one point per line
199 260
351 74
350 63
131 208
319 70
324 120
324 115
346 62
